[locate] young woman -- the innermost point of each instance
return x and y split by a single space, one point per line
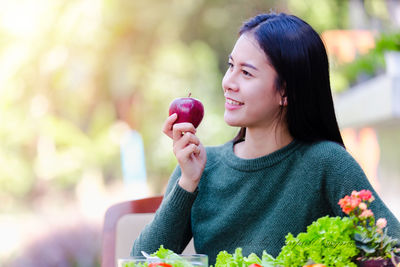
287 166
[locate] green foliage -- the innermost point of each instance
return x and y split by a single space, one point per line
364 67
368 65
322 15
327 240
60 96
388 42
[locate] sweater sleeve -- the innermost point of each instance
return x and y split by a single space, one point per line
170 226
343 175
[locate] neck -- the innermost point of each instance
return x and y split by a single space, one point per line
259 142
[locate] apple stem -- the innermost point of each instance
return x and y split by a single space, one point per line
189 94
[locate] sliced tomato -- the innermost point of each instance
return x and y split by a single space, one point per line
162 264
255 265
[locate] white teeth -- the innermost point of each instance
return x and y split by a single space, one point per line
233 102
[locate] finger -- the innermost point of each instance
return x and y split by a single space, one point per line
186 153
197 150
185 140
169 122
202 151
179 128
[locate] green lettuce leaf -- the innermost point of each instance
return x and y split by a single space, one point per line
224 259
170 257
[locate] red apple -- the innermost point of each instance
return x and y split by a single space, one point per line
188 109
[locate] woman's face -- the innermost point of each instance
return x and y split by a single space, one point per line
249 86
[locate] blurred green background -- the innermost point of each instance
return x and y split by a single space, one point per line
75 74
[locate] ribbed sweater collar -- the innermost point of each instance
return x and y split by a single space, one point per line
256 164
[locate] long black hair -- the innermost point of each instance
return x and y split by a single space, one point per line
299 57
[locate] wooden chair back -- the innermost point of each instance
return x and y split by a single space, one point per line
123 223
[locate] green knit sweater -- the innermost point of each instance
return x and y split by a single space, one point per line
255 203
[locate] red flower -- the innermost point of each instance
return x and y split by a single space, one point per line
345 204
354 202
356 206
365 195
348 204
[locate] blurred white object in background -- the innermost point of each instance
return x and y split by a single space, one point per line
133 165
392 60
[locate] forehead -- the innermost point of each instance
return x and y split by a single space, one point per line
247 48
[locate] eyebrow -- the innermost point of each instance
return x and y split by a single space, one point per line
245 64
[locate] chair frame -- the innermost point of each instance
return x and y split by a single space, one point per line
113 214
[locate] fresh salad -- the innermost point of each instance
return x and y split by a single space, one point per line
165 258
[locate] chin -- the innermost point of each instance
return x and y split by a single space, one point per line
232 122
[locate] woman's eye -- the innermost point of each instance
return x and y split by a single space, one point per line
246 73
230 65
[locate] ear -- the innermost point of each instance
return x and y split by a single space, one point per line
283 101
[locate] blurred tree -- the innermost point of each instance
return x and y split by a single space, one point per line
322 15
75 74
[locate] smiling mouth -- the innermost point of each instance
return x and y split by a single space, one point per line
234 102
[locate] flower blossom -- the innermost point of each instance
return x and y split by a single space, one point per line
366 214
365 195
354 202
349 203
381 223
362 206
356 206
345 204
355 194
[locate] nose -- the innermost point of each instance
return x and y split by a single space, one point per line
229 81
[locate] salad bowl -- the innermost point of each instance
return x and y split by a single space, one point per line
176 260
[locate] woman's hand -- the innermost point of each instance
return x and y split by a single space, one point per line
188 150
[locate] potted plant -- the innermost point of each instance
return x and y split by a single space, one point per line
356 240
376 248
